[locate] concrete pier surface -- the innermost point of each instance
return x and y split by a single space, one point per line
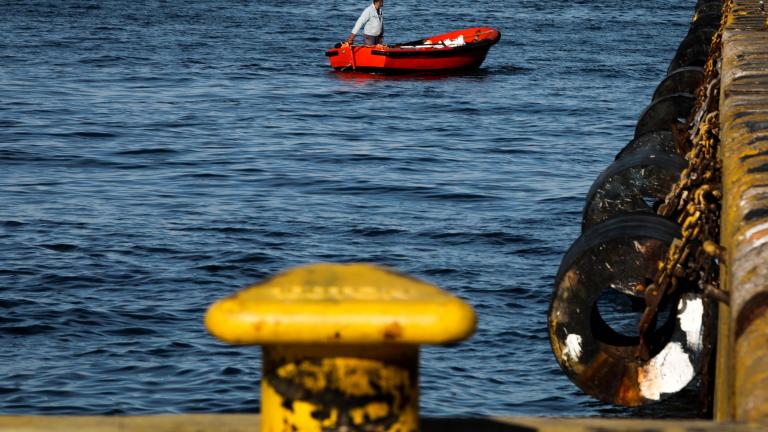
251 423
742 381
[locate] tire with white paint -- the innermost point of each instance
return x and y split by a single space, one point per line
619 254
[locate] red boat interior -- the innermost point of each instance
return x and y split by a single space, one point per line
453 39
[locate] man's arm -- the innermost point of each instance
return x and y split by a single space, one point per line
364 17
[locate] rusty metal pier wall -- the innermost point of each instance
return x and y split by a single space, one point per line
742 387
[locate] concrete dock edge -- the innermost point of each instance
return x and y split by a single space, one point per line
742 387
251 423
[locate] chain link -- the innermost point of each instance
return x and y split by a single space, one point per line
694 202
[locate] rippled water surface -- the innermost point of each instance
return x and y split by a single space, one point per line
158 155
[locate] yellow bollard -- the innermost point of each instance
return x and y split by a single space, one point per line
340 344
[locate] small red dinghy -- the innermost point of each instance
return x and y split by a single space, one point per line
461 49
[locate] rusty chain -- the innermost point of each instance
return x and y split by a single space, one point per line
693 202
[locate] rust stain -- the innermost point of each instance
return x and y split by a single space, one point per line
629 391
757 235
752 154
393 331
753 309
257 326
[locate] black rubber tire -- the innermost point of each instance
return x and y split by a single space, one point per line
657 141
708 18
693 50
651 225
631 185
705 5
683 80
663 113
707 8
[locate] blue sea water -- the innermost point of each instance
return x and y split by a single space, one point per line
158 155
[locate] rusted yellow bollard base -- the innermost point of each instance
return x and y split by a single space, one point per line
319 388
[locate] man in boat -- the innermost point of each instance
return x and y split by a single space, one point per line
373 19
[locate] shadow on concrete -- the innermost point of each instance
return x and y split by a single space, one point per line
470 424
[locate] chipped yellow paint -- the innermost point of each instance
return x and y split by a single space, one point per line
742 383
315 388
751 375
342 304
340 344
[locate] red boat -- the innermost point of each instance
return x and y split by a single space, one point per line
461 49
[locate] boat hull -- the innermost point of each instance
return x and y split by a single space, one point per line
426 55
